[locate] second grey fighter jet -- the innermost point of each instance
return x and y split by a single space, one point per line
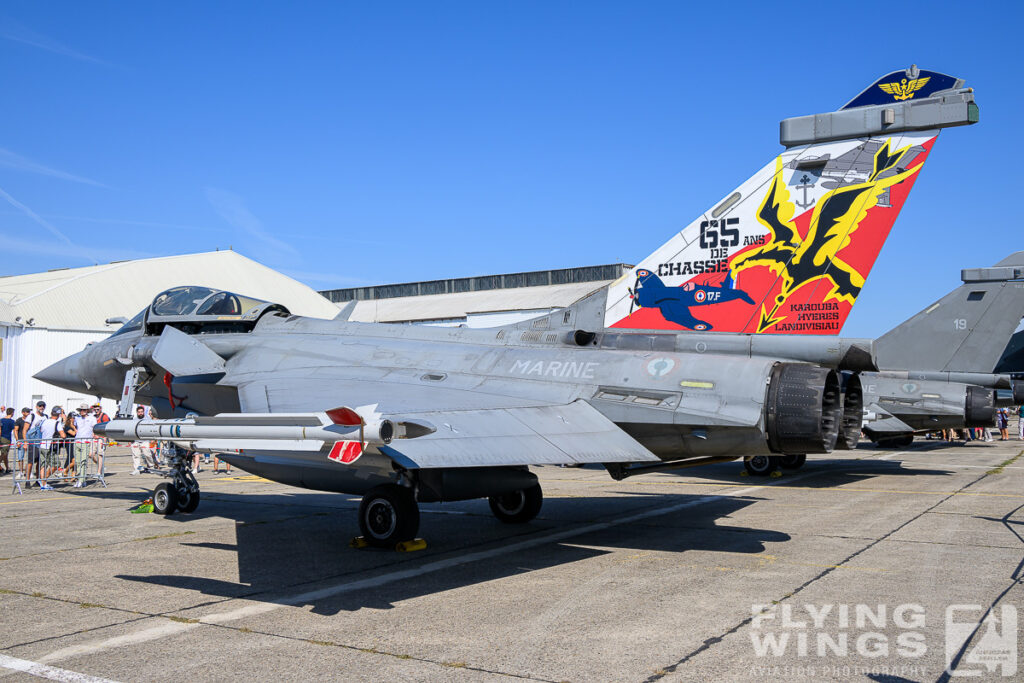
938 368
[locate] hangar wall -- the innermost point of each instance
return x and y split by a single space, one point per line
38 326
37 348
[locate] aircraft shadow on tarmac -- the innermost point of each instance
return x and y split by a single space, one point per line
825 472
289 543
302 550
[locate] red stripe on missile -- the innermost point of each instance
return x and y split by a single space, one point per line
345 452
345 416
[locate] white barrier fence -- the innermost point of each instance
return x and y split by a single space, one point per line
45 462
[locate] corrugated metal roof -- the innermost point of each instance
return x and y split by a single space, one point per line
447 306
82 298
478 283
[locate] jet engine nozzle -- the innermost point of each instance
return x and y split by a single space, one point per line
1018 392
804 409
852 416
979 407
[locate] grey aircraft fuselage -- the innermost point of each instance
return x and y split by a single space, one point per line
681 396
922 402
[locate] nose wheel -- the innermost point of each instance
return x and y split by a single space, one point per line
181 492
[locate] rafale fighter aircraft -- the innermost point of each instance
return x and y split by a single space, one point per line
406 414
939 367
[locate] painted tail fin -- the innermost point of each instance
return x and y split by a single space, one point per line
801 235
965 331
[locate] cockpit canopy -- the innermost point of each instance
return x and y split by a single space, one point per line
195 310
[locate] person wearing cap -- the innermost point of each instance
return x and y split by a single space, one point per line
85 439
32 435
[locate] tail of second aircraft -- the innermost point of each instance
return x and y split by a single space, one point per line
788 251
965 331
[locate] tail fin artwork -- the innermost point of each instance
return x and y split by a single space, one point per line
965 331
788 251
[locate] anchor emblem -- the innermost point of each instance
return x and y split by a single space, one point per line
807 183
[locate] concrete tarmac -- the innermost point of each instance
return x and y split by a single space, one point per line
865 565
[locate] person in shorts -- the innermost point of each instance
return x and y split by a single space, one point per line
1003 423
32 435
6 436
49 447
20 427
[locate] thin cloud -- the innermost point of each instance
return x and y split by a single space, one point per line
19 163
122 221
233 210
39 220
19 33
86 254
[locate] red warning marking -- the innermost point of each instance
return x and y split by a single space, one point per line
345 452
344 416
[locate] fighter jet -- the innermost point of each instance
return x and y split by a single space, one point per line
403 415
939 368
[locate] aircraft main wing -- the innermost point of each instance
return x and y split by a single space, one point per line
545 435
475 425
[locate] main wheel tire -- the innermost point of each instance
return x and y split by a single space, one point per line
792 462
519 506
388 515
165 499
188 499
895 441
761 465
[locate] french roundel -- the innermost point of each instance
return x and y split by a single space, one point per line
700 295
700 326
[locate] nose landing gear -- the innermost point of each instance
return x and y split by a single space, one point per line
182 492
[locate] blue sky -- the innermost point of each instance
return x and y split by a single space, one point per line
362 143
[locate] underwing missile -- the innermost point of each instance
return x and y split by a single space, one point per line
338 424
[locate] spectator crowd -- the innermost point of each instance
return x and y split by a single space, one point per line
51 446
57 447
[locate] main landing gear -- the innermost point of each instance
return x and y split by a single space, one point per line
389 514
182 491
519 506
764 465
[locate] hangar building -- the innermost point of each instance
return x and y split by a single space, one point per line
484 301
47 316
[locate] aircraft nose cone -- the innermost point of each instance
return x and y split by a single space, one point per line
63 373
